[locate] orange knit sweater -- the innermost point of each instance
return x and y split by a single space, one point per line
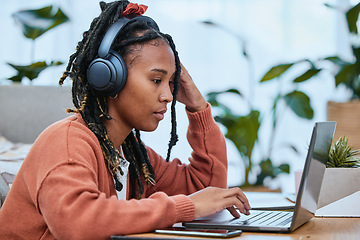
65 191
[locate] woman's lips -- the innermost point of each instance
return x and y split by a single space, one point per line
160 115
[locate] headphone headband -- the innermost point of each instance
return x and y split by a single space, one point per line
107 73
116 28
110 36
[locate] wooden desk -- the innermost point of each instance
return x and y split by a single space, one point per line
316 228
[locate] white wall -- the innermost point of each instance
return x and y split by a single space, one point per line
275 31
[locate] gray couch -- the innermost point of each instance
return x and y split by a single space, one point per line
25 111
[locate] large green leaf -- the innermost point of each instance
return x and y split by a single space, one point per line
213 95
36 22
269 170
352 16
30 71
356 52
284 168
307 75
346 74
299 102
242 130
276 71
212 99
335 60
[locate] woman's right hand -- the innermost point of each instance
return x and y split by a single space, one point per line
212 200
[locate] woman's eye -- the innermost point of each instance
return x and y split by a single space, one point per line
157 81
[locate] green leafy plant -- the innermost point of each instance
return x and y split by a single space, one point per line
243 130
31 71
342 155
34 23
347 73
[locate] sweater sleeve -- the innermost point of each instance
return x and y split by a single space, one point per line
74 191
74 208
75 202
208 161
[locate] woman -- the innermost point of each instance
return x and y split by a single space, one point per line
89 176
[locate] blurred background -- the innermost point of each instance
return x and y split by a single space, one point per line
224 44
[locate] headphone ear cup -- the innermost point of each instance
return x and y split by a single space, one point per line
107 75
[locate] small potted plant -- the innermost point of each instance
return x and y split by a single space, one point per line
342 174
342 155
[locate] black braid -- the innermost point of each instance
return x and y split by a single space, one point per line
130 151
93 107
174 136
147 161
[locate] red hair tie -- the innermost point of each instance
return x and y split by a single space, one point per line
133 10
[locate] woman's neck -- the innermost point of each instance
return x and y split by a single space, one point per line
116 132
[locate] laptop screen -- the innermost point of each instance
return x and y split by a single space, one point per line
313 172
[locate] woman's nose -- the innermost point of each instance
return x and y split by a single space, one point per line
166 95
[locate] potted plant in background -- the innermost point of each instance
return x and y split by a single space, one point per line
347 73
16 98
19 99
243 130
342 176
34 23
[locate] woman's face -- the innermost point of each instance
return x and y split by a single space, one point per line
143 101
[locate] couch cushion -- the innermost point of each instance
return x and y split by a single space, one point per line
27 110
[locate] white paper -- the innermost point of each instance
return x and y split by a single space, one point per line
268 201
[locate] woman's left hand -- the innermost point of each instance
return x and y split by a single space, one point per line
189 94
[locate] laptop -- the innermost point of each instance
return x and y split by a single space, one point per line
306 201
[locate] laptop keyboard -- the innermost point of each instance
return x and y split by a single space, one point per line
266 218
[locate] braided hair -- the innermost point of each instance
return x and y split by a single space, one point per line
94 108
